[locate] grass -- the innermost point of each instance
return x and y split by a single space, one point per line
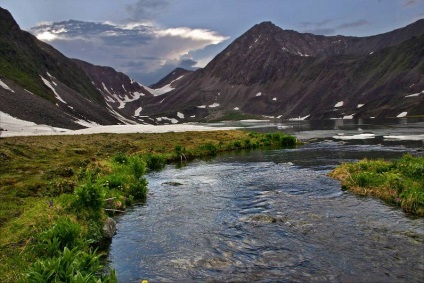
56 191
399 182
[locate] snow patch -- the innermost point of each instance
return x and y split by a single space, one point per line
259 94
348 117
354 137
403 114
360 105
180 115
299 118
138 111
214 105
19 127
87 124
274 99
201 106
49 85
236 108
339 104
165 88
5 86
413 95
405 138
172 120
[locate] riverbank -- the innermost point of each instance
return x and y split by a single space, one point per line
398 182
57 191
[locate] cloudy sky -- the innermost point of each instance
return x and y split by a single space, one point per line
147 39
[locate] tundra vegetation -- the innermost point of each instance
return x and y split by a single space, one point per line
57 191
398 182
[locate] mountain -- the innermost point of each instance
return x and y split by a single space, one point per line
266 72
42 85
280 73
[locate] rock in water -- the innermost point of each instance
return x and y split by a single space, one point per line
109 228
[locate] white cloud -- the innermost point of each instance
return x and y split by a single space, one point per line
133 48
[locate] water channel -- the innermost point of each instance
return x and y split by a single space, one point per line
274 215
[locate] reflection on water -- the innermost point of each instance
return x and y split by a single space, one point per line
268 216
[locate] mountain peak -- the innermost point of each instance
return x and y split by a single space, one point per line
7 22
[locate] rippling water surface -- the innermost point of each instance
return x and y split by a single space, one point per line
268 216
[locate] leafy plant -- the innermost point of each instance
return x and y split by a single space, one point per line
71 265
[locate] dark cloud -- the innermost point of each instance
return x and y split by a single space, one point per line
353 24
407 3
145 51
146 9
321 29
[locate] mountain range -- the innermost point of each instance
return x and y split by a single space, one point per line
266 72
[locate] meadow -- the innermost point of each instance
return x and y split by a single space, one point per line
56 193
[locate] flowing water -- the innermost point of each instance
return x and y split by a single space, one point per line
267 216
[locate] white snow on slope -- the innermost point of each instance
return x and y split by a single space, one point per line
49 85
18 127
172 120
360 105
415 94
355 137
405 137
87 124
138 111
259 94
164 89
299 118
5 86
236 108
403 114
339 104
180 115
214 105
201 106
274 99
348 117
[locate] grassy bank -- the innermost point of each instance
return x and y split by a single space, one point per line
56 192
399 182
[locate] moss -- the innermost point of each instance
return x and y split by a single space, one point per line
398 182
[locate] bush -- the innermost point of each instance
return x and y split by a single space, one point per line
137 166
64 233
89 195
120 158
71 266
210 148
155 162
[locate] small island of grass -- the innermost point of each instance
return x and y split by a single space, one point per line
398 182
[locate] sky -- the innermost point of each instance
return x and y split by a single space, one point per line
147 39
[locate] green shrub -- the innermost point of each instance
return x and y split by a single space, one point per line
155 162
71 265
210 148
137 166
89 195
138 189
120 158
63 233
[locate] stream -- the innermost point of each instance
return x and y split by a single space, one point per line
273 215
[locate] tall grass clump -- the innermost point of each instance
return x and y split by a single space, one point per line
398 182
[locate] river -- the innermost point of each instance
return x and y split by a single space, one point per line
274 215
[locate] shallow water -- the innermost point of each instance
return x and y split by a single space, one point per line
268 216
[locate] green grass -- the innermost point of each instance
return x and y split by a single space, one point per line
56 191
399 182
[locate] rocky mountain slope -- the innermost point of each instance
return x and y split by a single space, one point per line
41 85
267 72
285 74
